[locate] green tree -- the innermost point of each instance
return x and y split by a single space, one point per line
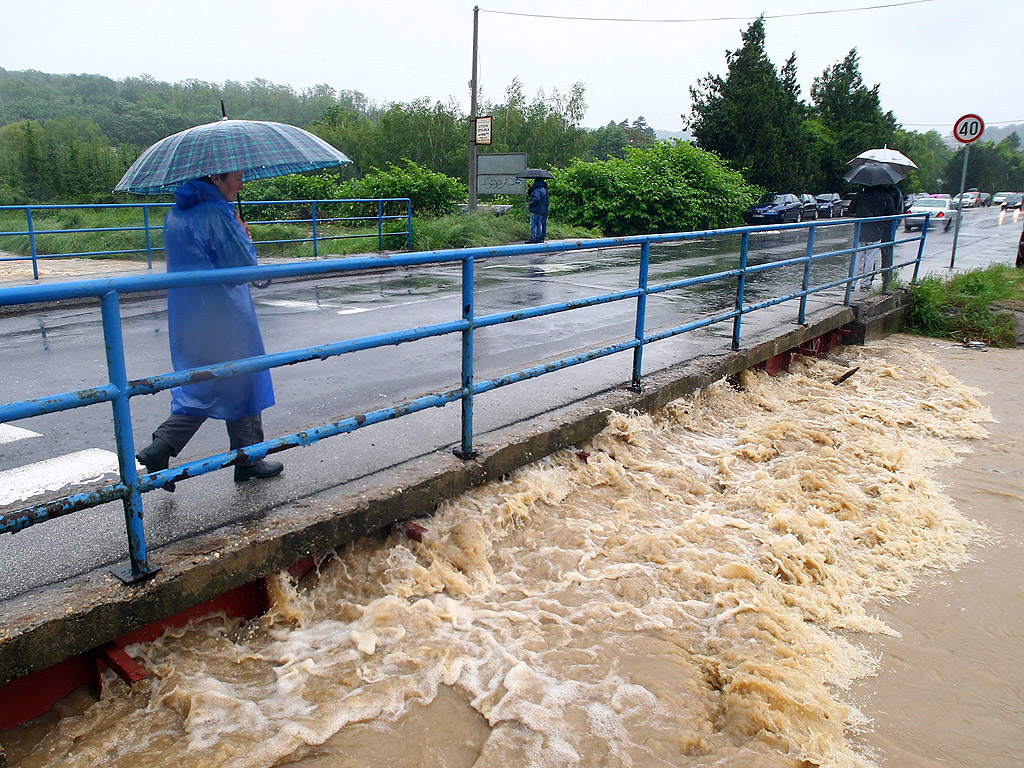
753 117
931 155
611 140
990 167
852 115
22 161
547 129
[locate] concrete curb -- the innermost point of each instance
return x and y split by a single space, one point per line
41 628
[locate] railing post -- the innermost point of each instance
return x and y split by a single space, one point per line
920 248
853 263
32 243
465 450
641 314
139 567
380 225
145 224
315 252
408 224
801 317
740 286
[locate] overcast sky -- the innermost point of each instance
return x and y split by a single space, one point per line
935 60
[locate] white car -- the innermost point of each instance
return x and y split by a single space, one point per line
942 213
998 197
967 200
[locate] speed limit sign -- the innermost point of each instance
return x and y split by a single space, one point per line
968 128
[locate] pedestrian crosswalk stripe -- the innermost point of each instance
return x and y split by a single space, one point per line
72 469
9 434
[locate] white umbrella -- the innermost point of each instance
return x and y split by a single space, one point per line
885 155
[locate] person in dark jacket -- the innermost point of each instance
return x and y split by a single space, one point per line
211 324
871 202
538 207
887 250
1020 252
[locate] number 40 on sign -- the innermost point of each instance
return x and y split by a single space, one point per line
968 128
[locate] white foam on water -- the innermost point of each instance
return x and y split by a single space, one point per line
675 592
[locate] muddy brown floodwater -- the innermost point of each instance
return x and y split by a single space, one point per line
768 575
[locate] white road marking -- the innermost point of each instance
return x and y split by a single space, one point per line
9 434
311 306
308 306
54 474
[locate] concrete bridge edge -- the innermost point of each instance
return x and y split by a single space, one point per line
42 628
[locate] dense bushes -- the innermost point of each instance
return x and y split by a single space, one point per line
431 193
669 187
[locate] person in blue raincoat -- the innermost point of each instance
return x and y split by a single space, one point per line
211 324
538 207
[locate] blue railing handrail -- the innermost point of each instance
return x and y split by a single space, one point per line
380 217
119 389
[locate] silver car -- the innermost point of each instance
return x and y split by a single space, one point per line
942 213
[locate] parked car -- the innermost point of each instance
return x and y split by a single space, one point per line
998 197
830 204
984 200
1012 201
941 196
808 207
942 211
966 200
848 201
774 208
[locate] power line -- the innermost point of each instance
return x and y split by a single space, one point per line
710 19
950 125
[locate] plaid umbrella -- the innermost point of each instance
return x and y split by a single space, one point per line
259 149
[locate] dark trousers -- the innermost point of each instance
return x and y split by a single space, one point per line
179 429
886 266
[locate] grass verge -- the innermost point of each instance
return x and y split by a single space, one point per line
973 306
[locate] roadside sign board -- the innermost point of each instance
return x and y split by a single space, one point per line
968 128
483 130
965 130
496 173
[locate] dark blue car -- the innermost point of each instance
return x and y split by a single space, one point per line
830 205
774 208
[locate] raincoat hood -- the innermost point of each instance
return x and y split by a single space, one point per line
197 191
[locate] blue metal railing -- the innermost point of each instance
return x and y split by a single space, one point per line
118 390
381 211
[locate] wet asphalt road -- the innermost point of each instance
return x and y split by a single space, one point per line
62 350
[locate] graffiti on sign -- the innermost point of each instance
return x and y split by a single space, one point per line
496 173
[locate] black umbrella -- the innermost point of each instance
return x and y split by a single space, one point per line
534 173
872 174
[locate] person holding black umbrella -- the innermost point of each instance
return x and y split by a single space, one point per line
538 207
873 201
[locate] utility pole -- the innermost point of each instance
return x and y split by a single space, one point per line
472 115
